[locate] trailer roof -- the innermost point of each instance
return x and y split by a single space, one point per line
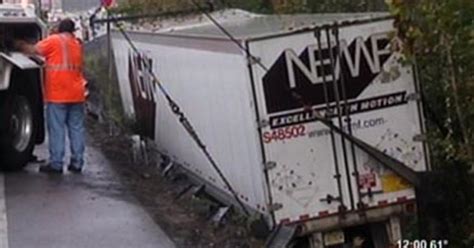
260 26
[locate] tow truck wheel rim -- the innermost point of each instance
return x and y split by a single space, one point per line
21 124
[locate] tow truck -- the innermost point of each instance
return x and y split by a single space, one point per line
21 105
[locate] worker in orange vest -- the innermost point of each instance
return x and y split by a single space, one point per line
64 94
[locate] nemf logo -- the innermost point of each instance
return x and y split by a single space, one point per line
360 62
144 92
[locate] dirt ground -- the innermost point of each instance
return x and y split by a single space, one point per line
186 219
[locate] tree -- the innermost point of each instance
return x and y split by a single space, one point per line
327 6
438 36
260 6
155 6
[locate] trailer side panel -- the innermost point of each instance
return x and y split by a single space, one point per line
209 80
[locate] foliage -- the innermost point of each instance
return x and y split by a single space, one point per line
327 6
449 205
257 6
440 35
302 6
104 90
159 6
129 8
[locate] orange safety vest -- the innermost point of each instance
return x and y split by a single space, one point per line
64 80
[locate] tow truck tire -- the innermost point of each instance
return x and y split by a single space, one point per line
18 130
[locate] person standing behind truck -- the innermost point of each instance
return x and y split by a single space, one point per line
64 94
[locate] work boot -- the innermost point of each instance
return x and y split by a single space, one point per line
49 169
74 169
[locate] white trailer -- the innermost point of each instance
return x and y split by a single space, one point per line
260 117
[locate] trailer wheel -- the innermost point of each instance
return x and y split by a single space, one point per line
19 128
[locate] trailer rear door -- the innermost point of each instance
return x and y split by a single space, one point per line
310 172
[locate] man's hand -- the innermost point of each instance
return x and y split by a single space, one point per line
25 47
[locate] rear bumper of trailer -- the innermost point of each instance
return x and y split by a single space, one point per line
370 215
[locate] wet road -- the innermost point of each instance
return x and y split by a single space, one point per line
88 210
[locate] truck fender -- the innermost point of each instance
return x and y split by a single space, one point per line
7 61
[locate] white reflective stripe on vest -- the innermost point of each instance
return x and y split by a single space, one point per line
66 64
63 68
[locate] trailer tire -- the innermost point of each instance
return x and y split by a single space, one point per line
18 133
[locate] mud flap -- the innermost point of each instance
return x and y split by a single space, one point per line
317 240
11 60
281 237
380 235
394 230
20 60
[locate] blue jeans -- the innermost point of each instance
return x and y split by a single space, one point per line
59 117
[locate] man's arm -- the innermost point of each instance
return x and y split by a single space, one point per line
26 47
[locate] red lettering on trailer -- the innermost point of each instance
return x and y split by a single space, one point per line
284 133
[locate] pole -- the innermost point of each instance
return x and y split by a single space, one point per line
109 52
109 76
